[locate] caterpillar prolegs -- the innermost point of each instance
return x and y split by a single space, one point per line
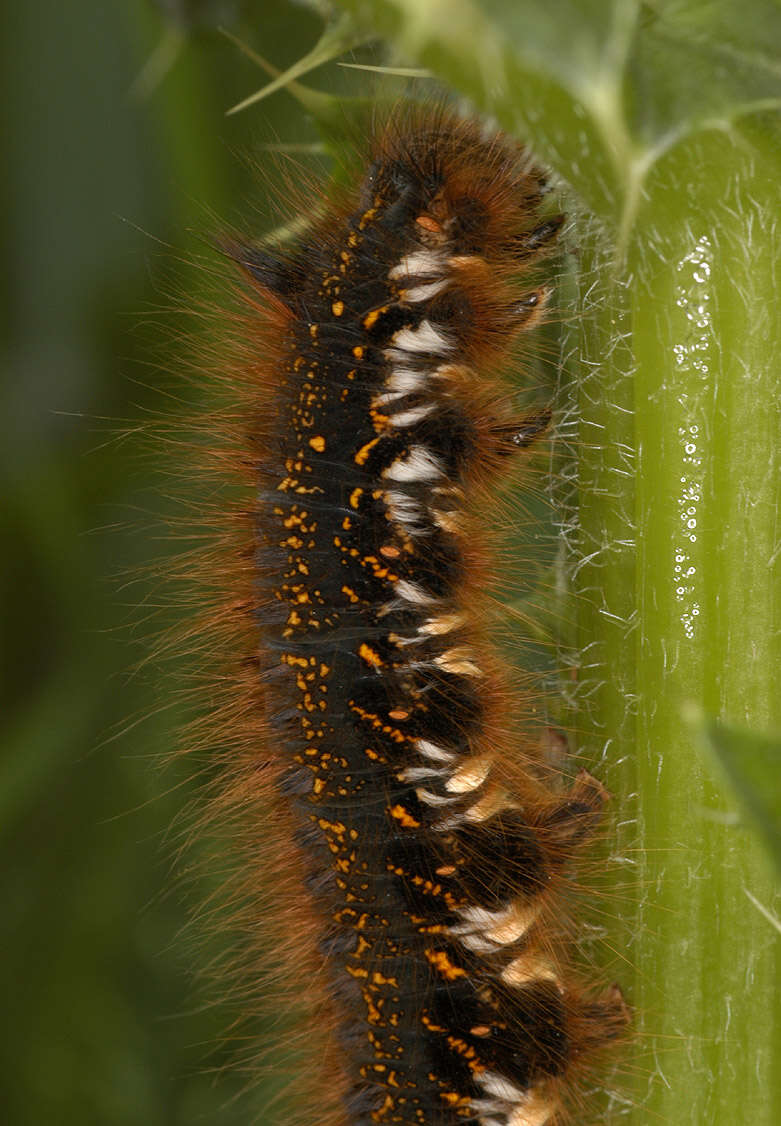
434 854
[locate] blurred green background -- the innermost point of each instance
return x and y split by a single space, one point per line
119 164
118 157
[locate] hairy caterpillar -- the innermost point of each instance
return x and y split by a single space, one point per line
430 851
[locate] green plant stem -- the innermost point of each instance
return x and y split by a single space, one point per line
681 346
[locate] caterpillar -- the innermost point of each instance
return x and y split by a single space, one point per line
426 852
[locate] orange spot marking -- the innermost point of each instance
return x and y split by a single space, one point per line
442 964
377 724
455 1099
363 453
390 552
336 827
317 443
398 713
380 979
371 318
429 224
366 653
400 814
337 308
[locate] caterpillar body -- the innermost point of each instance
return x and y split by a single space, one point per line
434 852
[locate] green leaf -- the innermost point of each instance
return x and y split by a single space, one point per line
338 36
752 763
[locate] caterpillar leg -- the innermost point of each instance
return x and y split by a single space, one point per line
575 819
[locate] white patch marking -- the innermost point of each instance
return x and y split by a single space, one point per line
470 776
434 799
458 661
424 292
534 1113
509 924
432 751
418 465
520 919
518 1108
530 967
434 627
384 400
411 592
410 417
406 380
421 262
493 802
489 1106
404 509
445 827
501 1088
424 338
420 773
477 918
477 945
